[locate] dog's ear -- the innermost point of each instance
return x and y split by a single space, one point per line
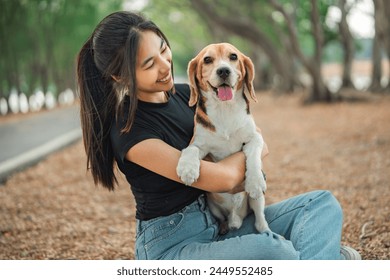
192 73
249 76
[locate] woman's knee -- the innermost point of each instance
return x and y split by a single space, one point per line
327 201
288 252
279 248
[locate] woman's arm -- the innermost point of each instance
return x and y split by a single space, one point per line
161 158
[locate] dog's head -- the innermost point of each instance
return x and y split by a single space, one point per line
220 69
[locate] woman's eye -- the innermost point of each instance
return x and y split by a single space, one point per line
208 60
233 56
150 66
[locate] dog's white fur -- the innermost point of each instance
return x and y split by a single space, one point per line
223 128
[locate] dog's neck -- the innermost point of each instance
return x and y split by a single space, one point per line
211 112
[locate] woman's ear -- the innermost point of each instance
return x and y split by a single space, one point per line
192 71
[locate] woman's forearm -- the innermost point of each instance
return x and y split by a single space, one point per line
222 176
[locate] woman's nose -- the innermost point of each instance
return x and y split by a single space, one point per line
166 62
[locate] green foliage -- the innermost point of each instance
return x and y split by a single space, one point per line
40 39
183 27
188 32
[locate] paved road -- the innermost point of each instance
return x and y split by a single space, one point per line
26 141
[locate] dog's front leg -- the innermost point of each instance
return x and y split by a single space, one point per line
189 164
255 184
257 205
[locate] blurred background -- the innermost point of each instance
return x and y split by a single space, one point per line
322 46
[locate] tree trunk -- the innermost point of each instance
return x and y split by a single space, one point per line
376 57
245 29
386 11
348 46
319 91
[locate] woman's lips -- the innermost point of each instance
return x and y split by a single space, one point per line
165 79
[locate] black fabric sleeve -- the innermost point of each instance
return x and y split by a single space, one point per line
123 142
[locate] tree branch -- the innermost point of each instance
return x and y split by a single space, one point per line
238 25
292 33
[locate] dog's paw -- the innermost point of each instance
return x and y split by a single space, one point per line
188 170
254 190
234 221
255 186
261 224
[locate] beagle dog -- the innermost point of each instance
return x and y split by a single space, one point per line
221 83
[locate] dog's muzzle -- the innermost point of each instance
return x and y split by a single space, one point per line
224 91
223 72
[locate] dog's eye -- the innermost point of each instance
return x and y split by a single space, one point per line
233 56
208 60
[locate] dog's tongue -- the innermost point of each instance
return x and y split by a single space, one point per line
225 93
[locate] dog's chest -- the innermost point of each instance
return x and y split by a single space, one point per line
221 147
232 130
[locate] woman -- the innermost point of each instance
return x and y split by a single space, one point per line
134 116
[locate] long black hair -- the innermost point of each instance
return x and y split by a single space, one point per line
105 73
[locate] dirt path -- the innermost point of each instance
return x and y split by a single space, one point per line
53 210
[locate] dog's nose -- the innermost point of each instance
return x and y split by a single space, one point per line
223 72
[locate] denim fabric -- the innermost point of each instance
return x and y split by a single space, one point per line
307 226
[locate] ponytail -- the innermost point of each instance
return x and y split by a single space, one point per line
97 110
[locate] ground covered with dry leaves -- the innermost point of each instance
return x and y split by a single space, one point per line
53 211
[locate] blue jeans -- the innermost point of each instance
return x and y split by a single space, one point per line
310 224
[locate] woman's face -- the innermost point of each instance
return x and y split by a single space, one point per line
153 69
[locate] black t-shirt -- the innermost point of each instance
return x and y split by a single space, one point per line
171 122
